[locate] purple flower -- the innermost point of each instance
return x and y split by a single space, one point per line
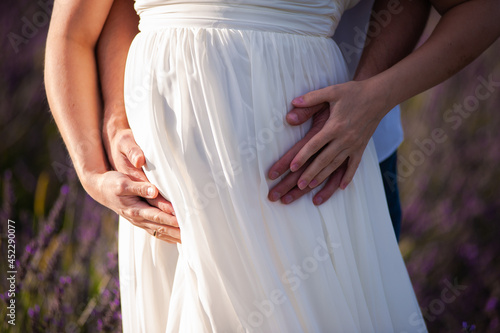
491 304
65 280
30 249
99 325
65 189
33 312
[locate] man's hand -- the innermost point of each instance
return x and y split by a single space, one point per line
345 117
340 133
287 188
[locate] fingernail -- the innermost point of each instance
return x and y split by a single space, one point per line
318 200
274 175
294 167
313 184
298 100
302 184
275 196
343 186
151 191
287 199
292 117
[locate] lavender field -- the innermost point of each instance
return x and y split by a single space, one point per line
66 276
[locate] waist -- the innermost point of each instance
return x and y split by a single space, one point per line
236 16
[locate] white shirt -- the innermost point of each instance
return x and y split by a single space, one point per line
350 36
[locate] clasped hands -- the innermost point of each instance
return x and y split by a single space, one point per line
344 117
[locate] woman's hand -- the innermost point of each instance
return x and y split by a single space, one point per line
345 117
71 82
126 157
123 195
122 151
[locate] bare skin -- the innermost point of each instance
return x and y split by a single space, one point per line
72 87
383 50
400 37
354 109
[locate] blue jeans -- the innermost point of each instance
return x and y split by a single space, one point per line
388 168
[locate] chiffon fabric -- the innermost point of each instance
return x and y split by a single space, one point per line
207 88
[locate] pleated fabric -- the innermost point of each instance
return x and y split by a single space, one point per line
207 105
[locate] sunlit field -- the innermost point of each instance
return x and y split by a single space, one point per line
66 270
450 183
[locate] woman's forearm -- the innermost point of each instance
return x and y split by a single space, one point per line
461 35
74 101
71 82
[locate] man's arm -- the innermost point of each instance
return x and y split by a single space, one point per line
451 46
395 41
72 90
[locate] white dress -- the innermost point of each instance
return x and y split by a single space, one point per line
207 88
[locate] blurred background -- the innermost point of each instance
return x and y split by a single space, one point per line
66 243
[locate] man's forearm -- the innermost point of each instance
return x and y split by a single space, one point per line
452 45
400 25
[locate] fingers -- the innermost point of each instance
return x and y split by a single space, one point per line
314 97
136 159
128 147
322 176
160 234
119 193
294 194
169 234
327 161
162 204
316 143
331 185
298 116
131 171
352 166
285 185
289 192
141 211
283 164
152 218
141 189
126 156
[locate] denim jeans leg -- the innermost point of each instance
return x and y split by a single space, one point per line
388 168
